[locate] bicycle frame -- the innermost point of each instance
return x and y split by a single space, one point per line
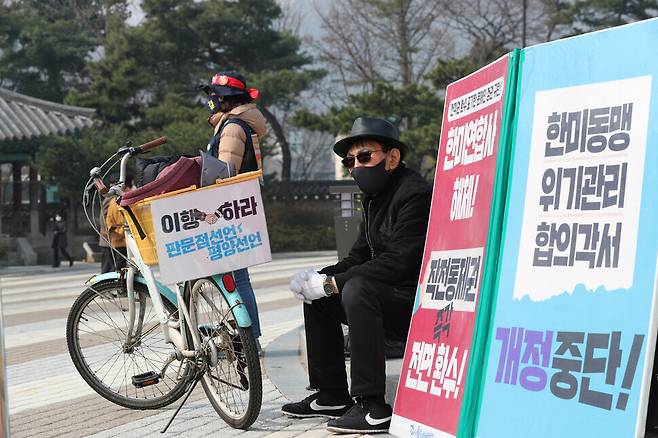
172 329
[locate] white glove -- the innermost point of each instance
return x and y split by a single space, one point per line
313 287
297 284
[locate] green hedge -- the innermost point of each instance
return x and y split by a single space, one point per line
286 238
301 225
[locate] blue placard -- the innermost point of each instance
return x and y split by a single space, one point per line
571 345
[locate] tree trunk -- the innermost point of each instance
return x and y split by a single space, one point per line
404 50
286 159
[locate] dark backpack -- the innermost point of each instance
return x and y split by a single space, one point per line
147 169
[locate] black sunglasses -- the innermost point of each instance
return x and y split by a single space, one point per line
363 157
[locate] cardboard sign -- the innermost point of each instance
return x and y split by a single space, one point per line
210 231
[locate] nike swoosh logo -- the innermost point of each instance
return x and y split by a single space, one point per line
375 421
316 407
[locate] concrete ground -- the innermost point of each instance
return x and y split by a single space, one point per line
48 398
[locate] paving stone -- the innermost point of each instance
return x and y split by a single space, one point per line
60 404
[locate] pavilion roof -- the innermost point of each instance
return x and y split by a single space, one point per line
25 117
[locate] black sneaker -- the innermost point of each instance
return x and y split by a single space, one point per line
364 417
319 404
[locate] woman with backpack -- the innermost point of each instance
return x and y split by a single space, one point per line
237 125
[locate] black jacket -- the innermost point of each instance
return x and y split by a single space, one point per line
59 235
392 235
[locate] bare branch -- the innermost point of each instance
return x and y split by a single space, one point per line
366 41
291 18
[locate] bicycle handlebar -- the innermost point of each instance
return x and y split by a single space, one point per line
102 189
134 150
128 151
151 144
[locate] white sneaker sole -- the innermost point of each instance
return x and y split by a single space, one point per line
290 414
343 430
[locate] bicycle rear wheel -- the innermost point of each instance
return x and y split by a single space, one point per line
233 381
96 334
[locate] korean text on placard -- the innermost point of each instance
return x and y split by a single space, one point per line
591 368
219 243
437 369
584 188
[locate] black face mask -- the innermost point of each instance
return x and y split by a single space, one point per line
213 104
371 180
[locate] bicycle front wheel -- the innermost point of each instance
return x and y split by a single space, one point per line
233 381
97 338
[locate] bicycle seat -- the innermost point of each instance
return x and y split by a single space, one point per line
183 173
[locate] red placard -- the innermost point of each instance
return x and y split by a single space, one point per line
433 375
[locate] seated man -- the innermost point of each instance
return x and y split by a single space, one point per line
372 290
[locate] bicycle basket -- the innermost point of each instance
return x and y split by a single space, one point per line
225 236
141 220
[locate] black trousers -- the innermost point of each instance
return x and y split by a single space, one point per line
56 251
371 310
109 263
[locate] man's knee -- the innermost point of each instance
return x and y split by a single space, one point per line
356 292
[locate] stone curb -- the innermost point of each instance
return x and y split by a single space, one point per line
283 366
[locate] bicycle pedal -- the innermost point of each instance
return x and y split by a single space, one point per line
145 379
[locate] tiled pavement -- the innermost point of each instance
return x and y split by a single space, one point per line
47 397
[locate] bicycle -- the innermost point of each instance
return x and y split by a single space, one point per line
141 345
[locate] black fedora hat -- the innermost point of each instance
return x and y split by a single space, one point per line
377 129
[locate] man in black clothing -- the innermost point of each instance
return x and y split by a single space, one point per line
59 242
372 290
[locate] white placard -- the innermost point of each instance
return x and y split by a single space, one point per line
584 187
476 100
210 231
452 280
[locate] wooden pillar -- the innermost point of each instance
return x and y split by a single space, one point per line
3 180
17 197
34 202
17 191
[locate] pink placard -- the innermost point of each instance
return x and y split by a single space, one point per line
435 364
